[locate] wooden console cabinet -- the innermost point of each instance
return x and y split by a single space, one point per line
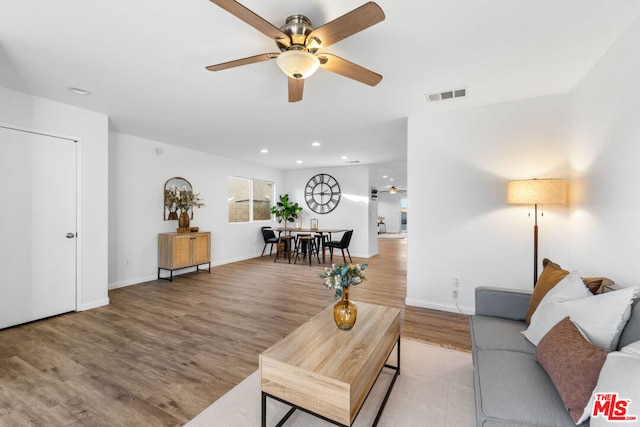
182 250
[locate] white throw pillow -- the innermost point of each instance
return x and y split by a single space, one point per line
548 313
619 377
601 317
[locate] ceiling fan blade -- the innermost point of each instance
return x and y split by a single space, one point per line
251 18
243 61
337 65
296 86
348 24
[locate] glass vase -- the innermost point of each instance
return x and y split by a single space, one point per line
345 312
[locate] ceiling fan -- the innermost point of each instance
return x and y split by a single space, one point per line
299 43
393 190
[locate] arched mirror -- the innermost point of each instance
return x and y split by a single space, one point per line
170 201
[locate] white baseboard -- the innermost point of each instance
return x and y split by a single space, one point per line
439 306
138 280
129 282
94 304
230 260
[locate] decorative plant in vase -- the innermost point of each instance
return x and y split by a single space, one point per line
341 278
171 202
285 211
183 200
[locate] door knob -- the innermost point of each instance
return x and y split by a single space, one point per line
71 235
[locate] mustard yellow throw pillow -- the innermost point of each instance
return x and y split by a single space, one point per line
551 274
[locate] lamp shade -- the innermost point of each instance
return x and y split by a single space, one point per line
298 64
537 191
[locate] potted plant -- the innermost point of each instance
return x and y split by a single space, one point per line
285 211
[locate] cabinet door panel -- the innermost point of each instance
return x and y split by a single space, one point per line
201 249
182 251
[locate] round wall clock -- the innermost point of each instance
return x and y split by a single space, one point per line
322 193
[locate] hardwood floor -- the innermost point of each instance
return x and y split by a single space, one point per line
161 352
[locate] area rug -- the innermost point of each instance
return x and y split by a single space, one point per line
435 388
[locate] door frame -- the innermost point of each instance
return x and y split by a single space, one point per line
79 234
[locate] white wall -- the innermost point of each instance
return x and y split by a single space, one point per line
389 206
459 163
136 184
91 130
605 150
353 211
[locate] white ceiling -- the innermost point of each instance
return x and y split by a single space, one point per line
143 61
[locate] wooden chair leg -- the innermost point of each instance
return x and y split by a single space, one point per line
343 257
263 249
349 253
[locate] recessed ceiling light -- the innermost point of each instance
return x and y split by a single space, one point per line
264 151
391 179
316 144
299 162
385 176
78 91
344 157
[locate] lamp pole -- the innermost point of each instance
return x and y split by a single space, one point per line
536 192
535 245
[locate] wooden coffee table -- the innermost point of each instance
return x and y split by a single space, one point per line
328 372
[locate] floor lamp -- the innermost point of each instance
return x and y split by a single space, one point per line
537 192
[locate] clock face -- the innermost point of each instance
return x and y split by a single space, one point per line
322 193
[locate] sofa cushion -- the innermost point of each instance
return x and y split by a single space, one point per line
550 276
631 331
573 364
601 317
512 386
620 374
493 333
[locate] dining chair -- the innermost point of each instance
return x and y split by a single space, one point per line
342 244
269 237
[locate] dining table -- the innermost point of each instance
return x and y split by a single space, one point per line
323 233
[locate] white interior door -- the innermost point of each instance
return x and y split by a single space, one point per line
38 209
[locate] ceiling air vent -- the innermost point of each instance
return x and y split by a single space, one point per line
447 94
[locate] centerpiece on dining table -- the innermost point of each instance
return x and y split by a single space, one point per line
341 278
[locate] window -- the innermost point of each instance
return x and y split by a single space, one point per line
262 193
249 199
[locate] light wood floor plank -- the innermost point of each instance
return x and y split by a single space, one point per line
161 352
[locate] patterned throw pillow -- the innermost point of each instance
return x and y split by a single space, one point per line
573 364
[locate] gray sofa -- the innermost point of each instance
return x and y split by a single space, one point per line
511 388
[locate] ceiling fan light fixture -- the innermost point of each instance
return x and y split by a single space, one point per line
298 64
